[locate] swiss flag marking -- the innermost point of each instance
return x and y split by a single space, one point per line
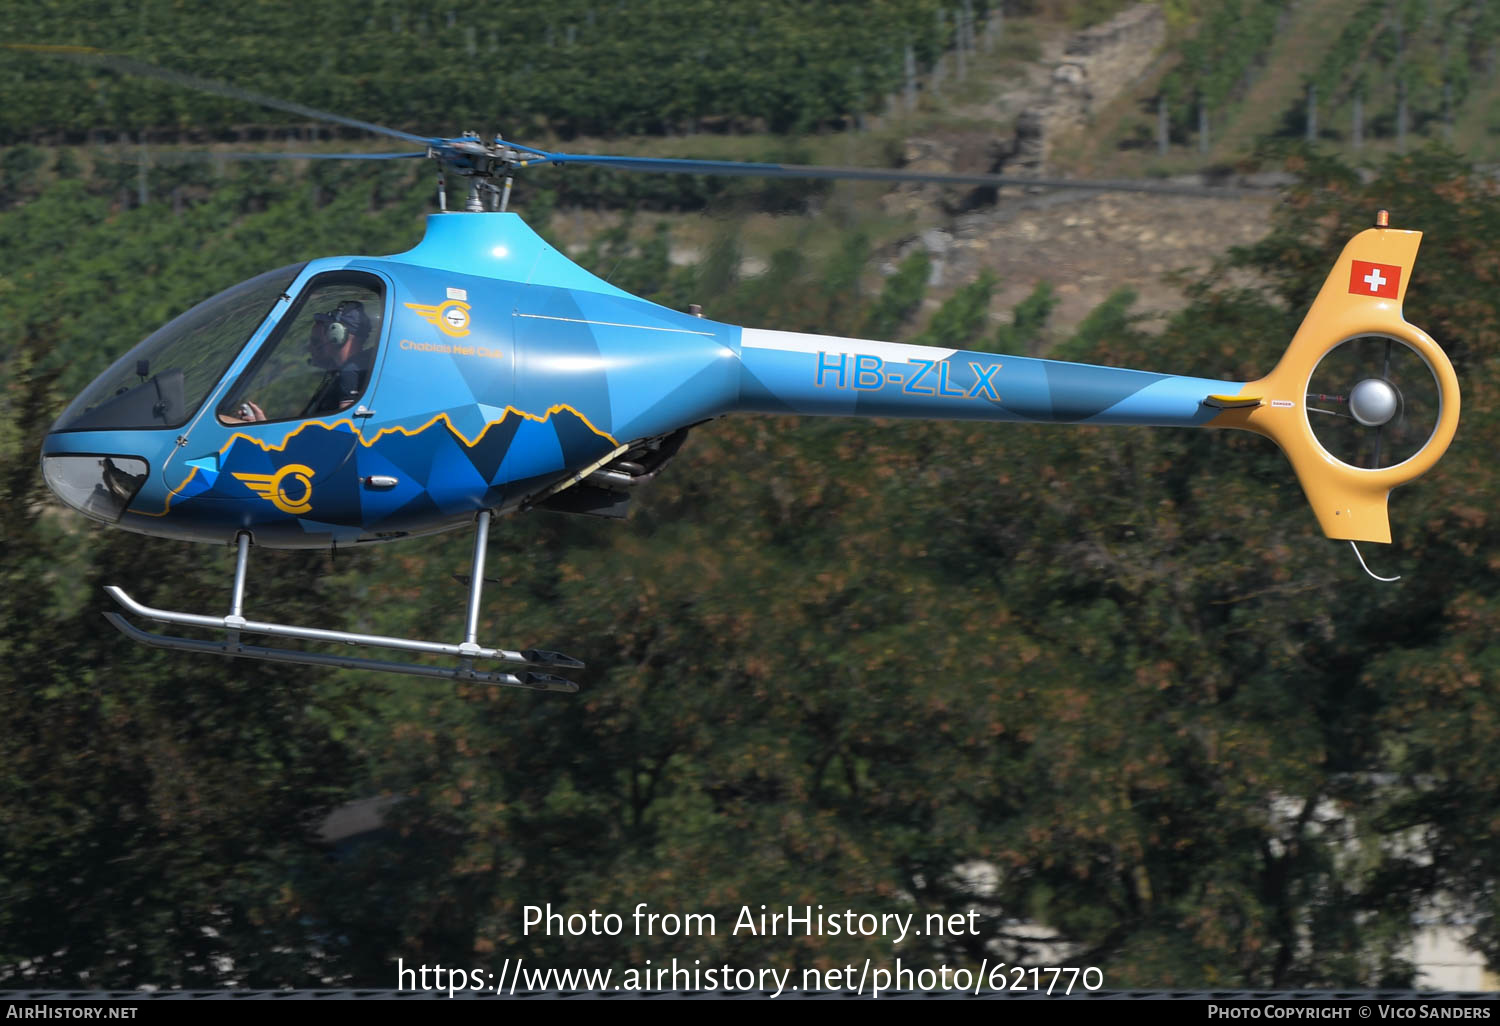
1372 279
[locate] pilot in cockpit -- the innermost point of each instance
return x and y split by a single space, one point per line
336 345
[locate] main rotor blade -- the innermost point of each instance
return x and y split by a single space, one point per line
669 165
130 66
160 157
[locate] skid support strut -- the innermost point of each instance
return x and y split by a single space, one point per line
468 652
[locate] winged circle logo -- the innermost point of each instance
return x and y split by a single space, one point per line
451 317
272 487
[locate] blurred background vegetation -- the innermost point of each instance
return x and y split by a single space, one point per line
1109 687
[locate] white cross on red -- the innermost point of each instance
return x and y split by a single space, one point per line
1368 278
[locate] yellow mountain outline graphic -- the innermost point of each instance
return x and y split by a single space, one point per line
398 429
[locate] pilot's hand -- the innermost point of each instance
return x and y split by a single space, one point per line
248 413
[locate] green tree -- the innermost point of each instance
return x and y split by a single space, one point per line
1027 332
18 173
900 298
964 318
158 814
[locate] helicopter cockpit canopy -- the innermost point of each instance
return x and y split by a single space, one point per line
163 380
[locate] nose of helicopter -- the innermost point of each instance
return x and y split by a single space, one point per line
98 486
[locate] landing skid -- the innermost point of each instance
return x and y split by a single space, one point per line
235 624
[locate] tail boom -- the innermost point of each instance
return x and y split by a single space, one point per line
790 372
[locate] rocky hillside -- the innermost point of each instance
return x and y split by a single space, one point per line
1086 245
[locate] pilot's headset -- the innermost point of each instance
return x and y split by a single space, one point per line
348 318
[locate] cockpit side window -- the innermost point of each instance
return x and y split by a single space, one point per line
318 361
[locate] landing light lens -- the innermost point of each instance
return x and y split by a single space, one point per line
96 486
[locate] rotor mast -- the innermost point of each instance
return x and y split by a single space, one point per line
481 163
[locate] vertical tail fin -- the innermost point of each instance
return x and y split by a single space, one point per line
1359 304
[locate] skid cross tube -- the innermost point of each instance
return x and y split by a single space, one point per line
236 624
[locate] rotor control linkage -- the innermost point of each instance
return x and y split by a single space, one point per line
236 624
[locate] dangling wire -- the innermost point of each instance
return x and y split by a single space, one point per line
1372 573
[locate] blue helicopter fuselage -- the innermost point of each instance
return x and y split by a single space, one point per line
501 372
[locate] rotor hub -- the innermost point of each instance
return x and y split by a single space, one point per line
1374 401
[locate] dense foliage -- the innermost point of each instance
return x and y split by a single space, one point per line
1111 681
1230 40
1390 67
594 66
1411 62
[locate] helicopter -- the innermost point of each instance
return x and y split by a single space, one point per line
356 400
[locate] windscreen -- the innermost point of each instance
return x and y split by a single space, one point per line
162 382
